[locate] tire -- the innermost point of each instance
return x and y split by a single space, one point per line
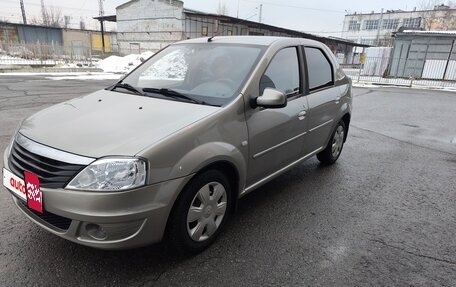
334 148
200 212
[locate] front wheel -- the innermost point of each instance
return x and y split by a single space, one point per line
334 148
201 212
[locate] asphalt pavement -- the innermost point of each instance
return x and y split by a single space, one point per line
383 215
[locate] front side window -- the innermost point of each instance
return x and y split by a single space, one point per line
319 69
283 73
211 73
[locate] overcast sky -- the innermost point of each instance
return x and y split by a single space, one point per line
323 17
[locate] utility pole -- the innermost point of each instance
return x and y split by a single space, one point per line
24 18
237 14
260 15
101 8
43 11
101 14
380 23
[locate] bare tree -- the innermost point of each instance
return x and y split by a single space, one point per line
50 17
428 14
452 4
222 8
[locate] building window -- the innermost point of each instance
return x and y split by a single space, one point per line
367 41
204 31
371 24
412 23
229 32
390 24
354 25
252 33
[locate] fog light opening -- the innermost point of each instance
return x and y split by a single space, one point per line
96 231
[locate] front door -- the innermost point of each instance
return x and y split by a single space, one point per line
276 136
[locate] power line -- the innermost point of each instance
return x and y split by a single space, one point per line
294 6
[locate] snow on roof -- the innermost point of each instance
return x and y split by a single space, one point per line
451 32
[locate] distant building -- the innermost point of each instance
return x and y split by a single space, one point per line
152 25
424 55
34 41
376 28
14 33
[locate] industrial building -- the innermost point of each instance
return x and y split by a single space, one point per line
32 41
377 28
424 55
153 24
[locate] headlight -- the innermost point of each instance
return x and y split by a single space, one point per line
111 174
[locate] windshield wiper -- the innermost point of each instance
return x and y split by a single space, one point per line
129 88
175 94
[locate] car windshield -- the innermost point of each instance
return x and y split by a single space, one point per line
207 73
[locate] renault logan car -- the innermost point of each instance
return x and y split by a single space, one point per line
169 149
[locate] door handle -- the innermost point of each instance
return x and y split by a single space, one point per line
337 100
302 115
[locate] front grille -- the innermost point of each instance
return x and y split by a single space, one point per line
51 173
60 222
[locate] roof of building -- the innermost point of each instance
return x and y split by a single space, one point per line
252 24
109 18
131 1
3 24
398 12
428 33
249 40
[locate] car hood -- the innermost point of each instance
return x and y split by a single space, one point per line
110 123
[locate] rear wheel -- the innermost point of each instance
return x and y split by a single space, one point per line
334 148
200 213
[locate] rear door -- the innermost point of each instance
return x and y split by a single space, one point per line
323 98
276 136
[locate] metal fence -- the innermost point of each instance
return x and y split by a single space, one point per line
43 54
399 71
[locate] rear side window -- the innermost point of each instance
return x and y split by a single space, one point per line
319 69
283 73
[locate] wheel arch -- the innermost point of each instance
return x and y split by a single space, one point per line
346 119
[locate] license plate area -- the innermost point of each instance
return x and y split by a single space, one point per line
27 189
14 184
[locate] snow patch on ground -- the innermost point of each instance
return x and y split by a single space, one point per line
122 65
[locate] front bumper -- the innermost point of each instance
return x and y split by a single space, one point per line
107 220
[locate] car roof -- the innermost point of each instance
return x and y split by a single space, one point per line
252 40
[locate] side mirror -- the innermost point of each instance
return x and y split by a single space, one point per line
271 99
